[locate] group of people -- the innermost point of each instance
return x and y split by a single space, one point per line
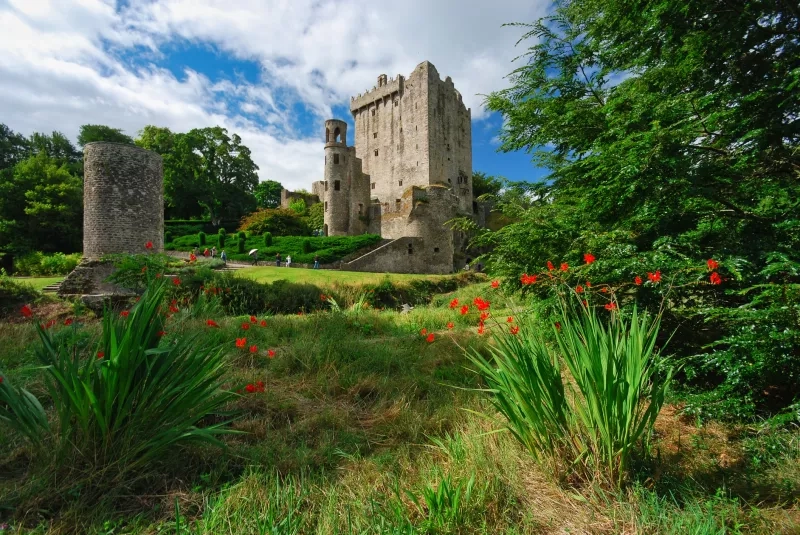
212 253
224 257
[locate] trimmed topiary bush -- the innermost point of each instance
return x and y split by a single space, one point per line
222 235
202 237
241 243
167 237
268 239
306 246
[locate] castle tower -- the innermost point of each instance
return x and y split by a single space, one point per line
336 194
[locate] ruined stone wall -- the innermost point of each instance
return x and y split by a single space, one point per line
288 197
123 199
403 255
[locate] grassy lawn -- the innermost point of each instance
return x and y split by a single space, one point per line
324 277
38 282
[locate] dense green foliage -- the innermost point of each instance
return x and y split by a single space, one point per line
39 264
278 222
268 194
206 172
328 248
97 132
316 216
670 132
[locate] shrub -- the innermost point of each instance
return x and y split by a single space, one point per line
14 294
201 236
222 235
268 239
38 264
246 296
306 246
278 221
241 243
134 271
590 428
132 401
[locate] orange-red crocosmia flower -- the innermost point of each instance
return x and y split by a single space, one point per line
604 290
495 284
148 245
558 325
589 258
464 310
510 319
68 321
162 333
550 266
241 343
49 324
429 339
250 388
144 268
712 264
715 278
527 279
484 316
125 313
263 323
579 289
564 266
514 329
26 311
480 328
481 303
637 280
253 319
174 309
454 303
100 354
253 349
655 277
424 331
176 281
211 323
588 284
611 306
450 325
271 353
245 326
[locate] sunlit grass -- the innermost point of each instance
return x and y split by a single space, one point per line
37 283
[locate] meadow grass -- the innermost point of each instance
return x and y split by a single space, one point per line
365 427
37 283
326 277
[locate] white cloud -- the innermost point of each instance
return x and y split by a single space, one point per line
60 66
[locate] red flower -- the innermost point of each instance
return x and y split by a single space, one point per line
1 379
454 303
148 245
241 343
49 324
100 354
192 257
144 268
270 353
715 278
429 339
68 321
589 258
637 280
27 311
550 266
579 289
510 319
124 313
253 319
604 290
211 323
484 316
250 388
176 281
174 309
323 297
527 279
263 323
655 277
253 349
564 266
300 313
712 264
514 329
450 325
611 306
162 333
558 325
423 332
495 284
464 310
588 284
480 328
245 326
481 303
158 275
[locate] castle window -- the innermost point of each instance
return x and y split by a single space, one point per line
360 208
373 112
396 102
327 135
376 152
435 249
448 146
401 129
374 135
415 128
400 183
337 185
410 249
326 206
373 185
397 203
326 185
335 158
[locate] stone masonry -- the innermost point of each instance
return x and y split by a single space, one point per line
409 171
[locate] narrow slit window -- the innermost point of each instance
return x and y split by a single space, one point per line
374 135
335 159
435 249
326 206
400 183
376 152
373 185
337 185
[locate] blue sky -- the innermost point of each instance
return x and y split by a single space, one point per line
270 70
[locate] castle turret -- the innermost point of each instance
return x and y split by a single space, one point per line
337 184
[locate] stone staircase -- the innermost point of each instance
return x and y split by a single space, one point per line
51 288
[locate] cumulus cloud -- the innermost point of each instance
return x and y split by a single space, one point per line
64 63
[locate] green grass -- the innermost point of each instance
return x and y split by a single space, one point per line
364 427
325 277
37 283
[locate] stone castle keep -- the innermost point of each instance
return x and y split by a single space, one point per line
409 171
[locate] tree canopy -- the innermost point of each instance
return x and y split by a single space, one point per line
98 132
268 194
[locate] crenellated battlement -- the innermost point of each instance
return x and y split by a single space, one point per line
386 88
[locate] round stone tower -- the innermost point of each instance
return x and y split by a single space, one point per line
337 184
123 200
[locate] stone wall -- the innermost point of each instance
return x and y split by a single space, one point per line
288 197
123 200
403 255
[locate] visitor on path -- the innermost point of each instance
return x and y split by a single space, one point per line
213 252
255 258
206 252
316 262
224 257
288 260
278 259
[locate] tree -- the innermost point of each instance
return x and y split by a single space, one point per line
98 132
56 145
483 184
670 132
13 148
268 194
298 206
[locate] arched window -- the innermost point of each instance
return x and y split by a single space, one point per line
337 135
